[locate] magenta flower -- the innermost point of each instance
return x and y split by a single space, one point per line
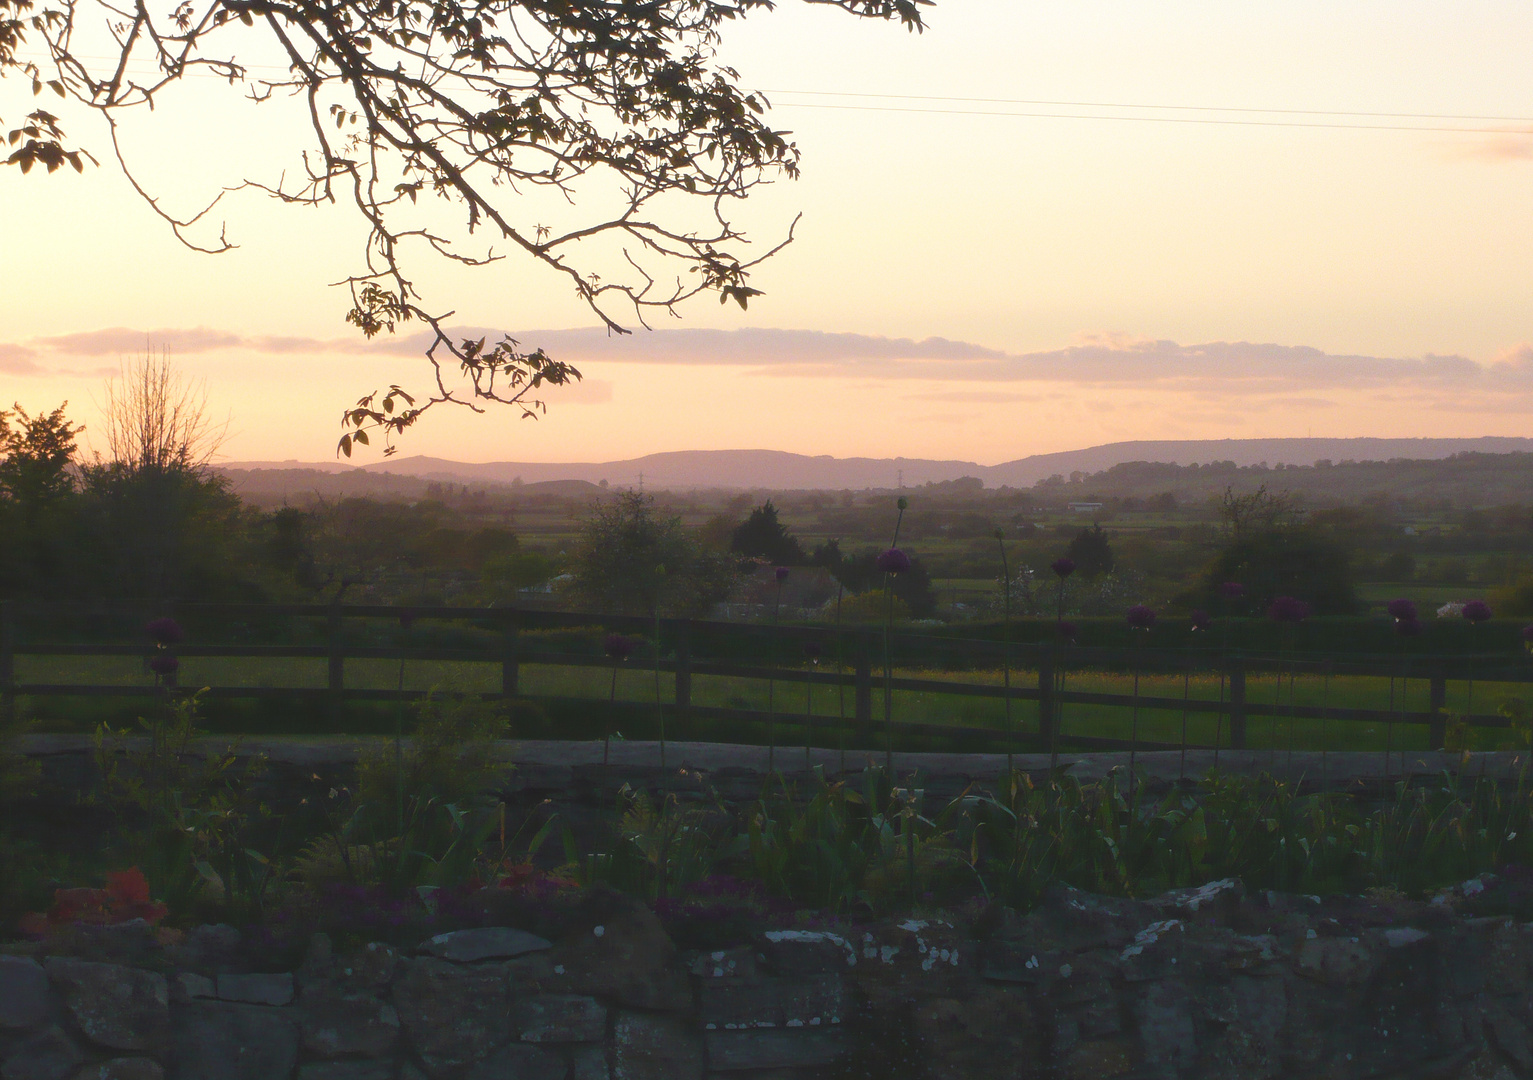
164 665
1402 611
1232 590
1200 619
781 573
1476 611
164 630
1066 629
1288 609
406 619
1527 634
617 646
1063 567
893 561
1141 617
1408 627
812 651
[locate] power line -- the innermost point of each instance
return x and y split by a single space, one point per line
1135 105
1208 120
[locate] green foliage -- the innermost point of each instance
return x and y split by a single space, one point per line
1092 553
661 849
762 536
422 813
634 560
449 758
190 799
1281 562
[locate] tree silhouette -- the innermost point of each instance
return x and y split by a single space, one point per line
511 112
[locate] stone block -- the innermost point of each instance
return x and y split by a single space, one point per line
346 1070
648 1047
808 1001
123 1068
48 1054
452 1014
207 949
990 1035
724 964
1098 1059
805 952
736 1051
225 1040
558 1018
257 989
117 1007
628 958
1336 961
23 993
336 1021
188 985
589 1063
484 943
1167 1034
518 1061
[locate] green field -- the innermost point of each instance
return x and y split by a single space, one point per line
636 686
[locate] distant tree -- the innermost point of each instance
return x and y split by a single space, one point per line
36 453
40 538
1258 511
1277 562
633 560
858 574
762 536
1092 553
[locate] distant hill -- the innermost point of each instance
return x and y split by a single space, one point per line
776 470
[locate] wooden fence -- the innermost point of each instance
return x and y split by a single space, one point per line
688 648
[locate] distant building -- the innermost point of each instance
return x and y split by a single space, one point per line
1084 507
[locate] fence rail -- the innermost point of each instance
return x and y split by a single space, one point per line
1040 670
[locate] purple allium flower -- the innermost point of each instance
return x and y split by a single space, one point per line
617 646
1476 611
1141 617
893 561
1232 590
164 664
1527 634
1066 629
164 630
781 573
1402 610
1200 619
406 619
1408 627
902 502
1288 609
1063 567
812 651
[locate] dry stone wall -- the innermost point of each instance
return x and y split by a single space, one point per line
1211 982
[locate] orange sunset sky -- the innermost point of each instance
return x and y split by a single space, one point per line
1034 227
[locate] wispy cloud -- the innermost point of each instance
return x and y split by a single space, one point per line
18 360
1221 368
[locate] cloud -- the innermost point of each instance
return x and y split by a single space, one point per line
1508 146
18 360
1116 361
120 339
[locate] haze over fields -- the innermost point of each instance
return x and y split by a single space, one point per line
776 470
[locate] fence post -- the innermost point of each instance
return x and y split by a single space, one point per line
864 676
336 681
1437 726
683 639
8 661
1046 712
1237 705
510 666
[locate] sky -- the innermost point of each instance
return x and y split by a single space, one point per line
1034 227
